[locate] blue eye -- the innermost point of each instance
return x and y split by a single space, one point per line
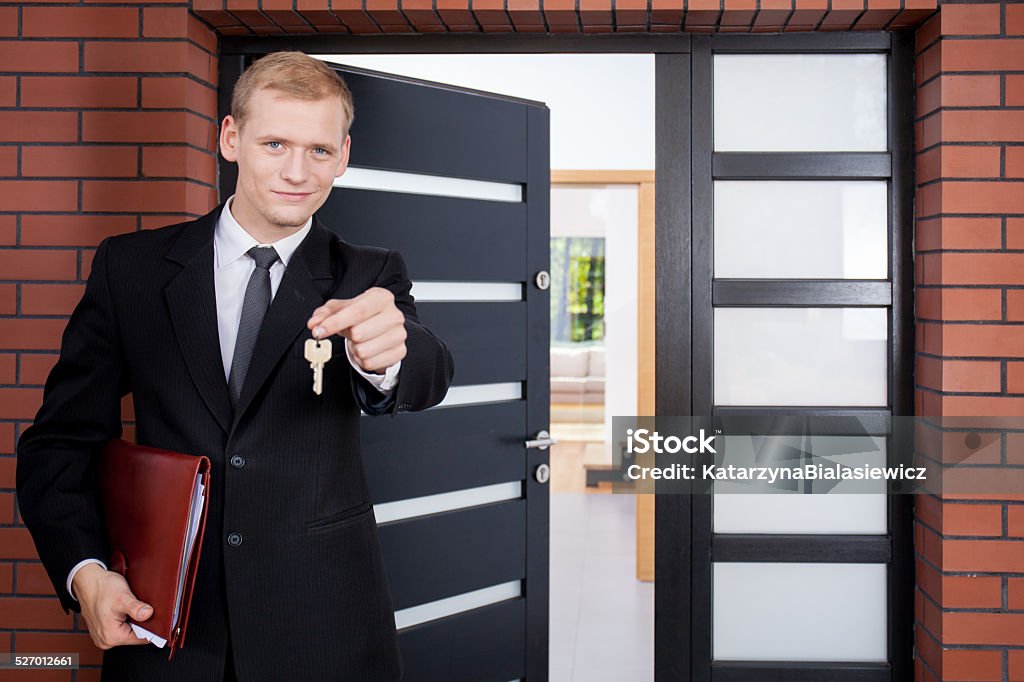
321 149
273 143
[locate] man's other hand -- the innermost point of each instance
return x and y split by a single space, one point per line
106 601
372 323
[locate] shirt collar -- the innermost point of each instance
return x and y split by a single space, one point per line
232 241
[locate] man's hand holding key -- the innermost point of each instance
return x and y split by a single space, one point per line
372 323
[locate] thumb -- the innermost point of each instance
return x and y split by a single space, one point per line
141 610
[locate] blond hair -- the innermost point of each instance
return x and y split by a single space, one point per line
294 74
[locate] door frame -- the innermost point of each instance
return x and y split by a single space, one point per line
673 257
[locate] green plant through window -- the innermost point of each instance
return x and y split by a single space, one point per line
577 289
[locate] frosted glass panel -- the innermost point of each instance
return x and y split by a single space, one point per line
800 356
791 229
799 102
799 612
845 509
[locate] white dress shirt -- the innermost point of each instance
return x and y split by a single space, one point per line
231 271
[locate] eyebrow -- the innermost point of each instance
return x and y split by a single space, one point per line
276 138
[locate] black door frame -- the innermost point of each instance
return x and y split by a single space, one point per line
674 211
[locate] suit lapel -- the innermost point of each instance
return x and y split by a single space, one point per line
191 301
305 286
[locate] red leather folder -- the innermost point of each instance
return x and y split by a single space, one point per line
150 499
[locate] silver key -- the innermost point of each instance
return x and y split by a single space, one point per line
318 353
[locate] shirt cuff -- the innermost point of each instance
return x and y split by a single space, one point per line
71 575
382 382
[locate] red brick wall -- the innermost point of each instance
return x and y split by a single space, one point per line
108 124
970 336
108 119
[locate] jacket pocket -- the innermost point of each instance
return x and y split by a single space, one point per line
343 518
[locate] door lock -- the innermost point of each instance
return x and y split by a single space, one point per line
543 280
542 441
542 473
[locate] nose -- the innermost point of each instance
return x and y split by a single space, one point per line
295 169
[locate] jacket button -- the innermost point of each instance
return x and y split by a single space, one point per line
234 539
238 461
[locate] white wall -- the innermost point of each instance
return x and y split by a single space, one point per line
602 106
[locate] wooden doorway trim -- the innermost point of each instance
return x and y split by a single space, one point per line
645 329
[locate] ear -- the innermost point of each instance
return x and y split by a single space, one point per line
343 164
229 138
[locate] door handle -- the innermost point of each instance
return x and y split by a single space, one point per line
543 441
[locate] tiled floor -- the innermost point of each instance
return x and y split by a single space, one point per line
602 617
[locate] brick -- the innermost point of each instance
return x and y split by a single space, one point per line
1015 521
8 22
38 126
72 230
156 57
7 508
179 93
983 341
1014 27
35 367
1015 594
80 162
179 162
969 162
959 376
38 195
982 126
151 222
33 579
8 230
7 468
1015 162
6 447
144 196
147 126
23 334
9 162
66 642
8 299
969 91
979 407
972 519
25 264
1014 90
6 585
165 22
8 363
1015 233
80 22
957 20
50 299
15 542
28 613
21 403
79 92
8 91
1015 382
983 268
972 664
962 304
983 628
1015 305
982 197
1006 54
39 57
972 592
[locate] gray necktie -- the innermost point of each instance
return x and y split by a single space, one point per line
254 307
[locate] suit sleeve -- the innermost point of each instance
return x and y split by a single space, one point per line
427 368
57 482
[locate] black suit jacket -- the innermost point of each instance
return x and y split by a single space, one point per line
305 594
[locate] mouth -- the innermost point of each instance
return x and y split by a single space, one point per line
293 196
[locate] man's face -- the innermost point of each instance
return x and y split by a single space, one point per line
288 152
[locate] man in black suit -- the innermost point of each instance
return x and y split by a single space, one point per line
205 323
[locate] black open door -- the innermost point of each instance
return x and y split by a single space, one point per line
458 181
